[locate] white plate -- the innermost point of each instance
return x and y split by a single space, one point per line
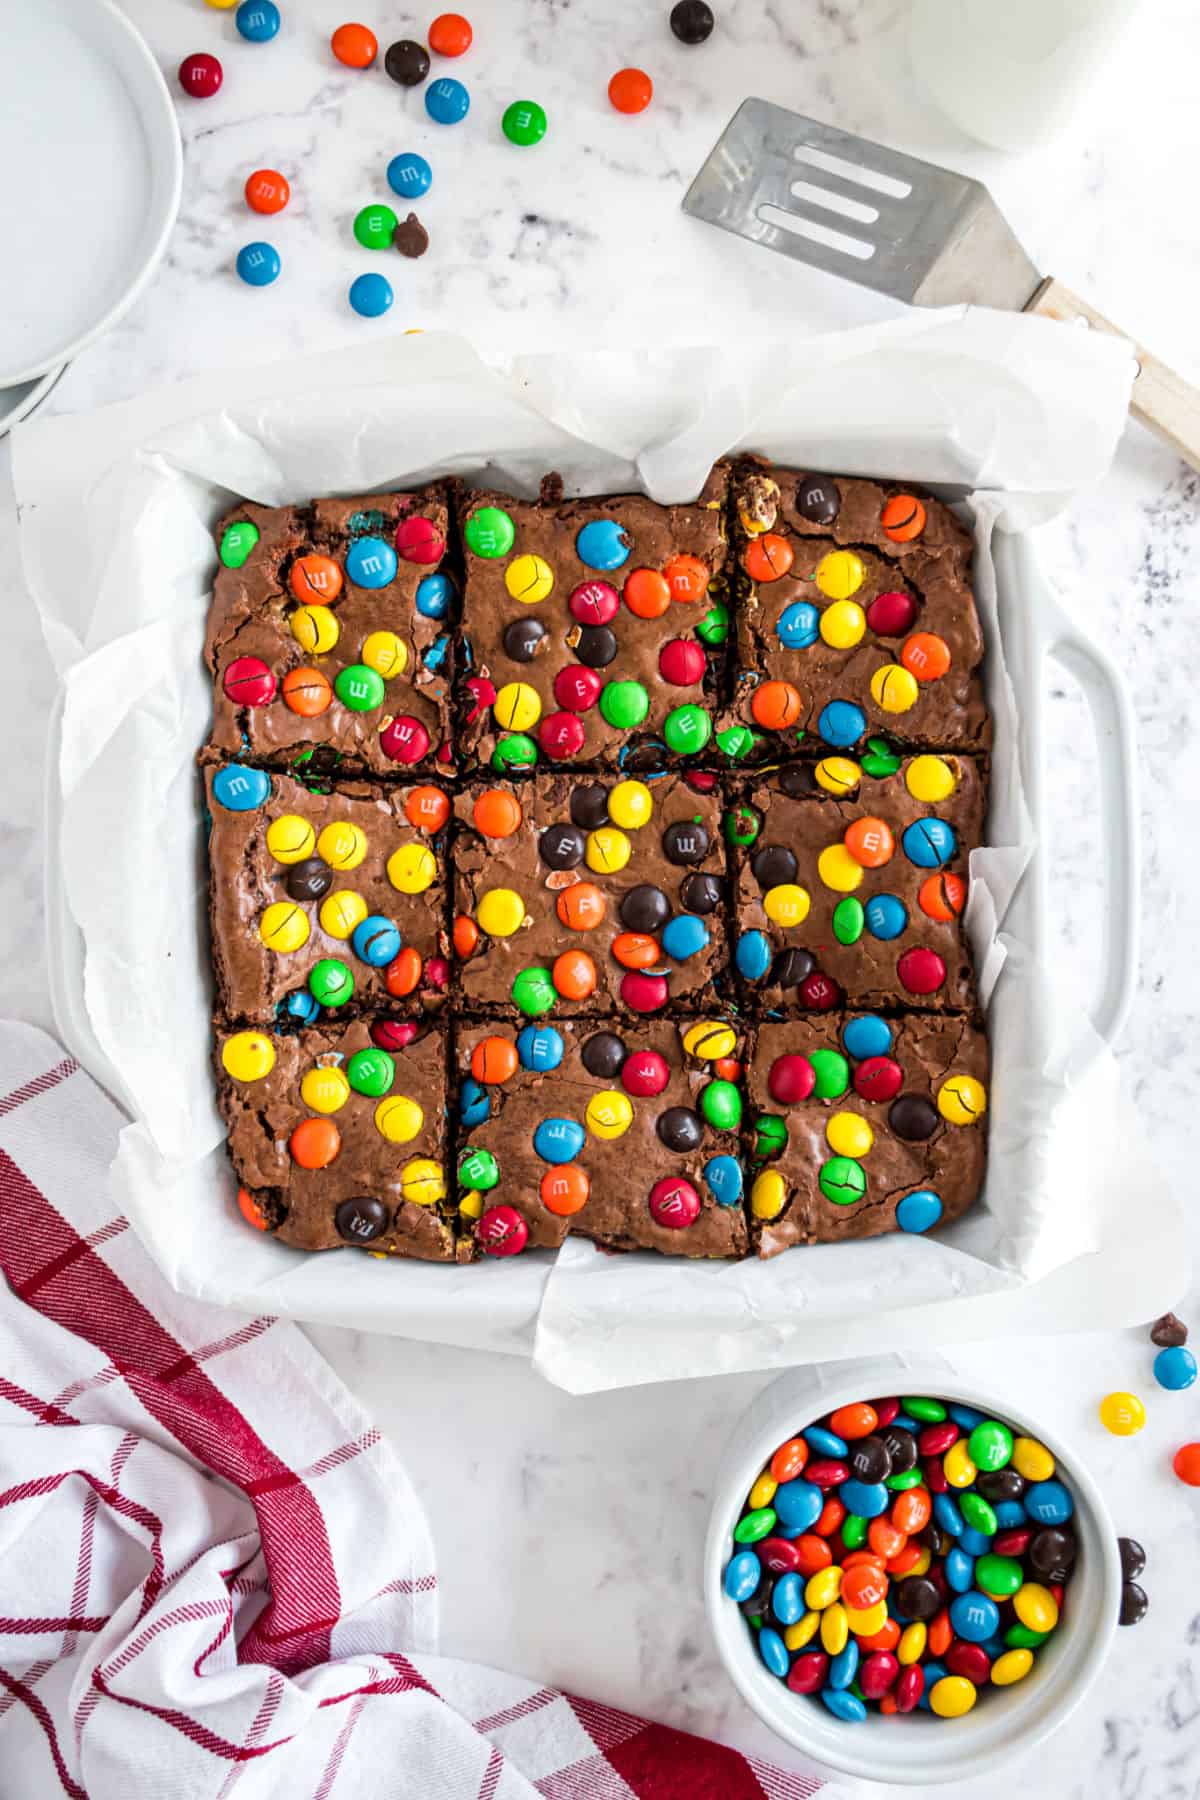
90 173
18 402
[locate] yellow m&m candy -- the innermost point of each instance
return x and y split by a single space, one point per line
1014 1665
867 1620
930 779
398 1119
1036 1606
386 653
315 629
763 1491
529 579
284 927
838 775
962 1100
953 1696
849 1135
768 1196
290 838
500 912
324 1090
422 1182
342 845
248 1055
470 1205
412 868
835 1628
786 904
607 850
911 1647
843 624
1122 1414
340 912
710 1039
516 707
1031 1459
840 574
957 1466
839 870
630 804
893 688
823 1588
609 1114
804 1630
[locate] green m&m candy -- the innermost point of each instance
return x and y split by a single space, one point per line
736 741
1021 1637
1001 1575
757 1524
714 626
478 1169
534 992
854 1531
237 541
489 532
842 1181
359 688
524 122
918 1406
898 1483
375 226
330 982
770 1136
371 1072
721 1104
978 1514
514 753
832 1072
687 729
624 704
848 920
881 760
990 1445
741 825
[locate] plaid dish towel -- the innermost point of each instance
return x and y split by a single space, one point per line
215 1577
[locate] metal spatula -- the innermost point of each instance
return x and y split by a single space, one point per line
907 228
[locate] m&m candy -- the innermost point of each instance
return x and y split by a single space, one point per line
630 90
371 295
409 175
450 34
407 63
447 101
258 264
356 46
257 20
200 75
267 191
524 123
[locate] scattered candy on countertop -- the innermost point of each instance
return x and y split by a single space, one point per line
1134 1599
371 295
1186 1464
524 122
692 21
409 175
407 62
374 226
1168 1332
258 264
631 90
355 45
200 75
1175 1367
894 1555
257 20
410 237
447 101
450 34
267 191
1122 1414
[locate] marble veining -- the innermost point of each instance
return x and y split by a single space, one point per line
569 1531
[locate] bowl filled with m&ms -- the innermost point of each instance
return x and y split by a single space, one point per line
913 1583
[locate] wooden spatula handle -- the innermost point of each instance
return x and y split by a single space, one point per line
1162 400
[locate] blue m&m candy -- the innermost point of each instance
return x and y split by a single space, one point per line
945 1511
866 1499
723 1178
475 1105
974 1617
409 175
742 1575
540 1047
868 1035
1175 1367
257 20
258 264
241 790
844 1705
371 295
799 625
774 1652
929 843
960 1570
602 544
825 1442
1048 1502
919 1211
798 1504
447 101
753 955
559 1140
301 1008
433 596
371 562
885 916
787 1598
842 723
684 936
376 941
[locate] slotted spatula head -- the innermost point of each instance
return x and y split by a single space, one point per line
854 208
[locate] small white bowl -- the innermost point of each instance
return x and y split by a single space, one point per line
917 1747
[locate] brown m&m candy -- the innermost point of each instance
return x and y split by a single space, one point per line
407 62
818 500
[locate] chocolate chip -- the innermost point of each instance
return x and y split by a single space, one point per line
407 62
918 1598
798 782
1133 1557
358 1221
645 908
773 865
1135 1604
521 639
680 1129
603 1055
410 237
309 879
589 806
1168 1332
562 846
685 842
700 893
596 647
913 1117
791 967
817 500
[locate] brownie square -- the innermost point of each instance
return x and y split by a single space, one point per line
338 1134
589 628
363 681
614 1121
865 1125
628 874
840 580
851 884
350 879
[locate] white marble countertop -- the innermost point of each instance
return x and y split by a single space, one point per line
569 1530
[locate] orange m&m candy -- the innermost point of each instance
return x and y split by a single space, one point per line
250 1210
267 191
354 45
466 936
494 1059
574 975
884 1538
646 593
307 692
581 906
403 972
942 897
788 1461
886 1638
926 655
858 1559
727 1068
497 814
631 90
776 704
565 1189
912 1510
904 1559
856 1421
450 34
634 950
315 578
902 518
814 1553
427 809
941 1632
768 557
870 843
1186 1464
862 1586
315 1143
830 1517
687 578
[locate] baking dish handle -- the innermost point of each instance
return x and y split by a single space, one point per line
1112 721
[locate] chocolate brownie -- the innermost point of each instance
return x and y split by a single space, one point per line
852 878
593 629
865 1125
338 1135
613 888
321 901
854 615
328 635
624 1133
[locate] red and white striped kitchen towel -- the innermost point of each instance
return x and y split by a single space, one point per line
214 1574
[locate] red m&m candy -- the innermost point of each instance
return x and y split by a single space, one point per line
821 994
419 541
249 682
921 971
594 602
682 662
878 1078
576 688
561 734
502 1231
644 993
644 1073
674 1203
200 75
791 1079
405 740
892 614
